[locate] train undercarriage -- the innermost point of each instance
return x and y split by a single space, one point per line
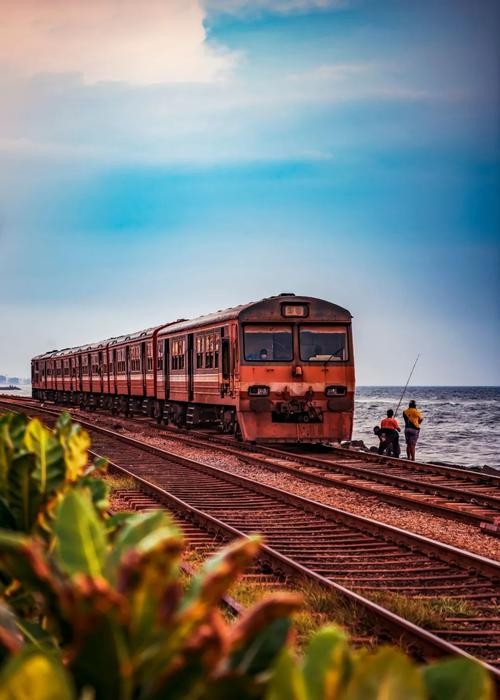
180 414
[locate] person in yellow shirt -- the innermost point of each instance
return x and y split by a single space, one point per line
413 421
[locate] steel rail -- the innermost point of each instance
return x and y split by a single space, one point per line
475 515
457 503
382 537
395 625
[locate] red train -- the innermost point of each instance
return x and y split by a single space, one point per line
276 370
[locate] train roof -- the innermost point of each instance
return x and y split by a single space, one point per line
334 312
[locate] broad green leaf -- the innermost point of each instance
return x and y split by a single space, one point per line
15 424
386 675
63 425
79 535
6 453
154 564
100 464
7 519
98 489
327 664
259 651
204 593
148 577
35 675
12 429
287 682
458 679
24 496
219 572
260 634
34 635
100 660
116 521
50 469
135 528
24 559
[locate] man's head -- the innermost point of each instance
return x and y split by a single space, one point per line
412 404
263 354
390 413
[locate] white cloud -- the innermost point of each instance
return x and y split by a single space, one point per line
342 82
237 7
158 41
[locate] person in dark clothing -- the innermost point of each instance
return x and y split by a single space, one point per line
390 423
386 437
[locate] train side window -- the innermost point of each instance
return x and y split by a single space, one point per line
182 351
173 355
199 352
149 364
178 350
159 359
216 348
135 358
209 355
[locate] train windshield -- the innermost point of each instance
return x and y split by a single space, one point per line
264 343
323 344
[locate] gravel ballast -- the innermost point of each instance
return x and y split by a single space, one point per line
457 534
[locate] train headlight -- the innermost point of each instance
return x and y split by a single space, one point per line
258 390
335 391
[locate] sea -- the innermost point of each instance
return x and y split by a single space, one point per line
461 424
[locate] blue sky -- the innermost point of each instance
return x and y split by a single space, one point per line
166 162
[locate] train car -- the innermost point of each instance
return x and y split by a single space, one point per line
277 370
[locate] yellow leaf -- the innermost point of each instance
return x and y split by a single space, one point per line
36 440
35 676
76 453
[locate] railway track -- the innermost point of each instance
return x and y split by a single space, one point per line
461 495
199 540
450 492
356 557
202 542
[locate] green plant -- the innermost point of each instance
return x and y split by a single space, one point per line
38 465
94 606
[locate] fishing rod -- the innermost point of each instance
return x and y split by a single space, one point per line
406 385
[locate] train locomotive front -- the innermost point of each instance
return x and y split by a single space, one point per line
296 371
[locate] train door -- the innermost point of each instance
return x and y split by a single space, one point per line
80 373
115 390
166 367
144 361
225 362
89 360
100 370
127 367
190 366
